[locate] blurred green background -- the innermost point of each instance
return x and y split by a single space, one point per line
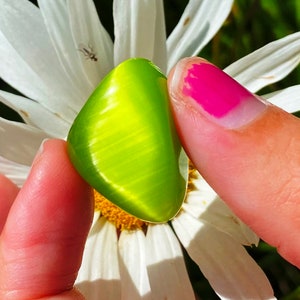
251 24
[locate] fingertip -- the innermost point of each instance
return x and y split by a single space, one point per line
8 193
247 150
54 210
54 177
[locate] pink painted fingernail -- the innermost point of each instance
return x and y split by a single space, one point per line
218 96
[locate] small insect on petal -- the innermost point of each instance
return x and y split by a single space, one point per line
124 143
88 52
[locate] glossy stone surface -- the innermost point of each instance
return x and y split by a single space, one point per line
124 144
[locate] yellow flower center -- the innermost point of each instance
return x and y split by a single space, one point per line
123 220
115 215
191 177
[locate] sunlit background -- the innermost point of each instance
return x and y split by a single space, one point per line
251 24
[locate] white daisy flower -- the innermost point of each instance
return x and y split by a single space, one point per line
56 55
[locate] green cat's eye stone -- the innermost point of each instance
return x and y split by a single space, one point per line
124 144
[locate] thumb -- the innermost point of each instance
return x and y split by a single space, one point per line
42 241
247 150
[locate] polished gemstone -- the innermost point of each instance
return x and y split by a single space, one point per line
124 144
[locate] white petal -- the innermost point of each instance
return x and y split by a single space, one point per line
36 115
232 273
203 203
184 166
19 142
99 273
267 64
132 259
199 23
96 217
139 30
160 46
28 61
56 17
89 33
166 268
288 99
15 172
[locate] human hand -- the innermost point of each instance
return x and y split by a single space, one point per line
247 150
44 228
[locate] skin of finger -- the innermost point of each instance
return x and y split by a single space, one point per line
8 193
43 239
255 170
69 295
